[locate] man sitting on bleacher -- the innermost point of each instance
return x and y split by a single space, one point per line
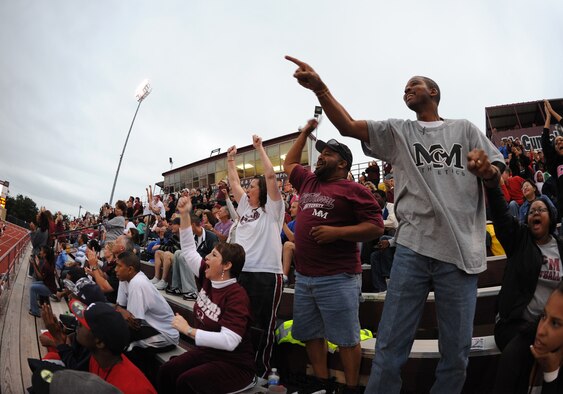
106 277
104 332
183 279
145 309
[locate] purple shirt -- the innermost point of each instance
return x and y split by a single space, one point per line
224 228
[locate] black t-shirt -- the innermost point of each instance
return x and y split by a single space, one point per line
113 282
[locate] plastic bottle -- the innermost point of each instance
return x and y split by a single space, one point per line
273 377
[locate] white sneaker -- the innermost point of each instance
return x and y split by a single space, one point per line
155 280
161 285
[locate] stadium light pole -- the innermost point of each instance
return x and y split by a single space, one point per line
141 93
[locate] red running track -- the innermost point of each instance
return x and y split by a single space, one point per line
11 237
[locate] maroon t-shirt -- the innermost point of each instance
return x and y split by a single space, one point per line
338 203
228 307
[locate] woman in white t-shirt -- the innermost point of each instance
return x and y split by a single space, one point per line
261 212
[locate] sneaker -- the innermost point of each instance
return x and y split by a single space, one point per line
155 280
161 285
174 291
191 296
54 298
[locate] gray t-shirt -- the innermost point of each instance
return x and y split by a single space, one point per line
114 228
440 205
550 276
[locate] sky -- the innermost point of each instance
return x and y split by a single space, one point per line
69 70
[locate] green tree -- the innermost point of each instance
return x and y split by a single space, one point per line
23 208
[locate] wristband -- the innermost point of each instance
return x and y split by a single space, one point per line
190 331
94 268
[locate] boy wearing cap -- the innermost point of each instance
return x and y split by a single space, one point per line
335 215
440 238
105 333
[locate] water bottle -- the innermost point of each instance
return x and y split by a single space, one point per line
273 377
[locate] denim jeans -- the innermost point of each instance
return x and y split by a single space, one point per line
327 307
455 293
37 289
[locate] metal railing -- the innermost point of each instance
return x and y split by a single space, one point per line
9 258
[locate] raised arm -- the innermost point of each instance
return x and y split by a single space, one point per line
340 118
269 174
187 242
551 111
293 157
232 174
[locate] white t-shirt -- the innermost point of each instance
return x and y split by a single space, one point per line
128 226
258 232
144 301
550 276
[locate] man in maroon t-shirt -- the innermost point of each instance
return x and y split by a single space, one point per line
335 215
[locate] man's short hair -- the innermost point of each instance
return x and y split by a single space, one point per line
195 219
84 238
130 259
433 85
233 253
128 244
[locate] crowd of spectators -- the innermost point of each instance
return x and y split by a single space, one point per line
212 244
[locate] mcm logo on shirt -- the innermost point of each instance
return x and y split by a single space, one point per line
207 308
438 156
551 269
319 203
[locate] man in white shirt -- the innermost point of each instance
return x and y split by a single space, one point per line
145 309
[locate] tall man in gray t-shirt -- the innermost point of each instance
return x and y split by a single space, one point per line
441 236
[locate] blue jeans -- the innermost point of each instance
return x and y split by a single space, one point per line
456 294
37 289
381 261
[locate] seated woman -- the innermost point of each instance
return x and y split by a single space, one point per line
44 271
531 192
533 271
133 234
547 348
223 359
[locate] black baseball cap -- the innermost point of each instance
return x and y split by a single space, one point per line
104 322
338 147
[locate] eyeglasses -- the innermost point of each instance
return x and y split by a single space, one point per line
533 211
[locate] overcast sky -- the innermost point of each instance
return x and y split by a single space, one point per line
69 69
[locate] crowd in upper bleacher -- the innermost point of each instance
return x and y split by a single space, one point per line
231 251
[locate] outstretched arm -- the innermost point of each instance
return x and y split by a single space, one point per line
293 157
269 173
340 118
187 242
549 109
232 174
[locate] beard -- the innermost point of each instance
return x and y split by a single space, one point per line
324 172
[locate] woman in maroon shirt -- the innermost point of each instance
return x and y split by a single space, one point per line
223 359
